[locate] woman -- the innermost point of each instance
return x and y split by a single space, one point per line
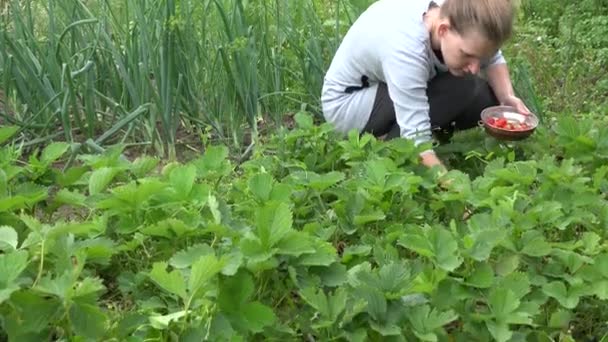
408 68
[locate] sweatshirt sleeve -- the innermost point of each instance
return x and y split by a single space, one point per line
498 58
406 74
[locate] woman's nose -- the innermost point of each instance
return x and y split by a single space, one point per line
473 67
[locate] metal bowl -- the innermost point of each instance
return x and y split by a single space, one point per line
511 114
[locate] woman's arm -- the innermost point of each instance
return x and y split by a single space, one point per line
500 81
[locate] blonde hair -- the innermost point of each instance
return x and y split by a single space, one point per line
491 18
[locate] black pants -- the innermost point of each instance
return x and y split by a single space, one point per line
455 103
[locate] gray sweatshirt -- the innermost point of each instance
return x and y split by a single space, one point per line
388 43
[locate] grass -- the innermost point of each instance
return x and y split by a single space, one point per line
142 70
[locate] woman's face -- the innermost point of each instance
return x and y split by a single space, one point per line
463 54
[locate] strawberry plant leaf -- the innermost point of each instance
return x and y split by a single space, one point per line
376 302
53 151
534 244
11 266
560 319
185 258
295 243
445 249
506 264
499 330
254 250
261 185
600 265
162 322
417 242
207 267
484 243
182 180
143 165
213 163
482 277
425 321
172 282
88 320
436 243
87 286
8 238
558 290
235 291
65 196
330 306
6 132
39 313
324 255
233 262
357 250
258 316
273 223
101 178
503 302
591 243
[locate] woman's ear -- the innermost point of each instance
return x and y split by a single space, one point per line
443 28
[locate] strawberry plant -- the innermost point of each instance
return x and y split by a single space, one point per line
316 237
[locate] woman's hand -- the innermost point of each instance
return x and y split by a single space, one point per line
516 102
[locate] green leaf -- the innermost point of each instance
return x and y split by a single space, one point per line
60 286
445 249
185 258
142 165
534 244
482 277
33 312
70 176
11 266
601 264
324 255
162 322
235 291
8 238
101 178
253 249
213 162
273 223
600 289
88 320
87 286
558 290
376 302
6 132
329 306
172 282
503 302
426 321
53 151
560 319
304 120
130 322
295 243
182 179
261 185
506 264
591 242
485 241
233 262
65 196
499 330
258 316
350 251
436 243
207 267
